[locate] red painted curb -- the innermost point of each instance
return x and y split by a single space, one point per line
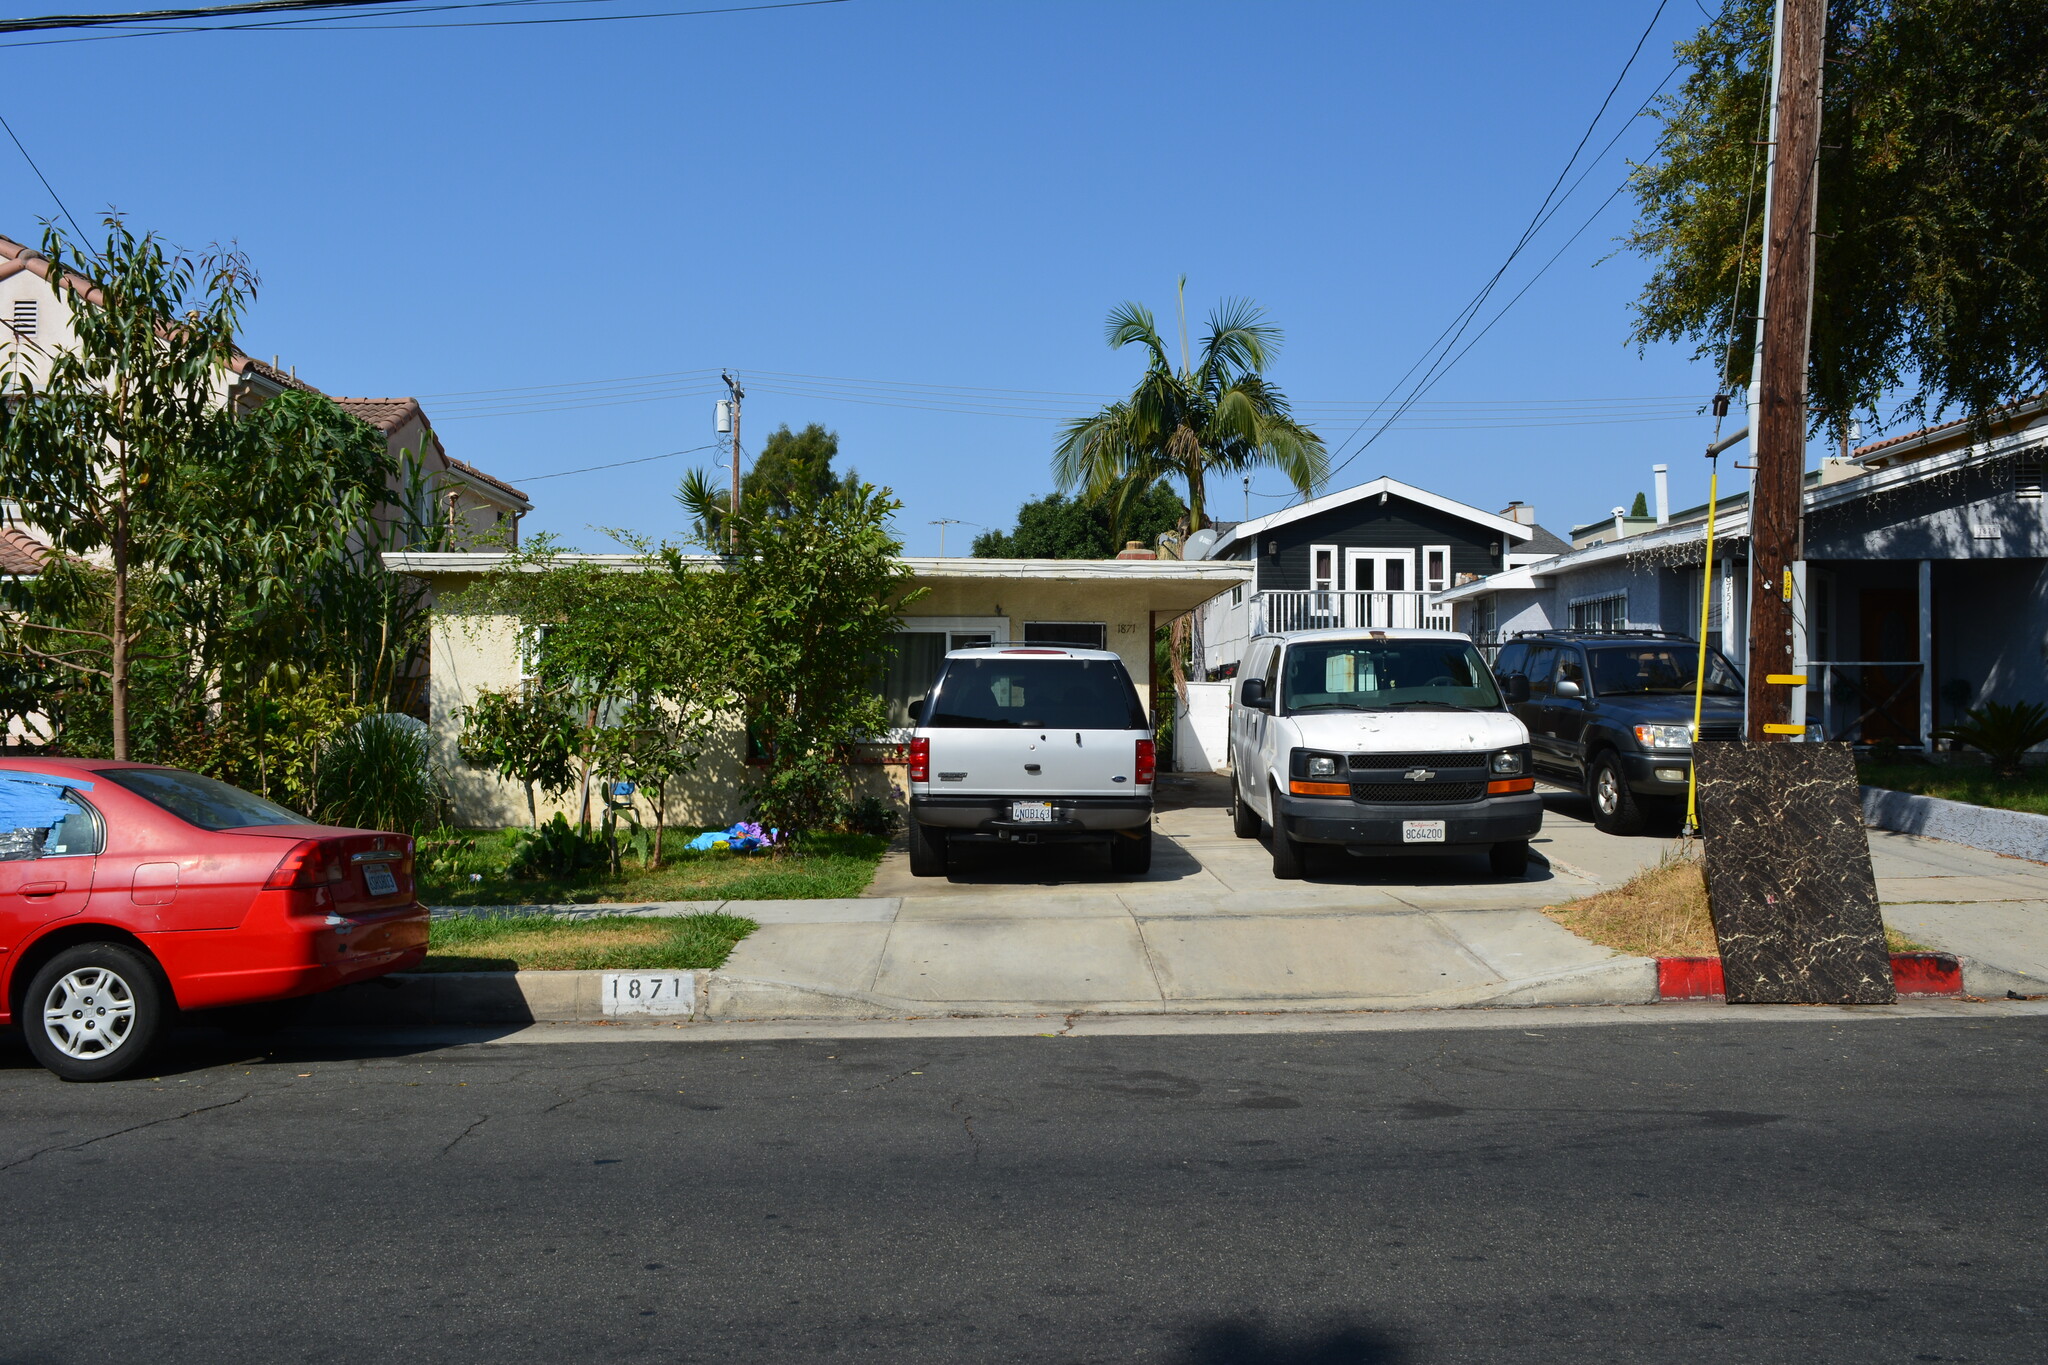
1699 978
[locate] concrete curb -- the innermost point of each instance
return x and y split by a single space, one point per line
1914 975
2014 833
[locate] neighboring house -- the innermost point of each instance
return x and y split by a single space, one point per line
1372 555
1924 588
35 322
1110 604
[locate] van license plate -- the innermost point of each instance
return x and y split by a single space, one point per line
1422 831
378 880
1040 811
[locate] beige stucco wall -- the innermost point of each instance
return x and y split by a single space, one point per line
1127 622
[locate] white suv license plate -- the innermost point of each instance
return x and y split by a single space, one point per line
1422 831
1031 811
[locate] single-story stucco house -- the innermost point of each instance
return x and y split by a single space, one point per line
1106 604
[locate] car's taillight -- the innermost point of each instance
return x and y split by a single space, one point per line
920 760
310 864
1148 762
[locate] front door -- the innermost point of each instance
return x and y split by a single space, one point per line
1382 583
47 876
1888 699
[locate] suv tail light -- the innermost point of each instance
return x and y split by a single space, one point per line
1148 762
307 866
920 760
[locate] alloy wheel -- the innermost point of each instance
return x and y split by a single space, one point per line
89 1013
1604 791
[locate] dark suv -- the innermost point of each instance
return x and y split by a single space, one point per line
1610 713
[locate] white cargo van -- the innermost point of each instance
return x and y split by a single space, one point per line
1031 745
1379 742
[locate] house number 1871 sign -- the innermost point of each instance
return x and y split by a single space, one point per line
650 993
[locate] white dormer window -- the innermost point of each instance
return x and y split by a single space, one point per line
24 318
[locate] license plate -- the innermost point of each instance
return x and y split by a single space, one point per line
377 877
649 993
1422 831
1040 811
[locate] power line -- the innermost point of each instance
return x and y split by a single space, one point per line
46 182
337 22
616 464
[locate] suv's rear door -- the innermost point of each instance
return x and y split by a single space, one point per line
1028 721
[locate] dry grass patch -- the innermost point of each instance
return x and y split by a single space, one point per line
1661 912
542 943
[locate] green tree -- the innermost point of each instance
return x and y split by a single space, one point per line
93 446
805 605
793 466
1641 506
1931 257
523 734
1218 413
1058 527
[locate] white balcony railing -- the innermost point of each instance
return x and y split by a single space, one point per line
1346 610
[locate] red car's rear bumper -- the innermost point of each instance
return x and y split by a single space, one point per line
274 955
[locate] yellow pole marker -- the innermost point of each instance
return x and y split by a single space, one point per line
1770 729
1699 677
1786 679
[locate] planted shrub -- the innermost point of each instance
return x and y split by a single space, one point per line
379 773
2002 732
556 849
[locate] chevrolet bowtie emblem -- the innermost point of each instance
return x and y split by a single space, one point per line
1419 774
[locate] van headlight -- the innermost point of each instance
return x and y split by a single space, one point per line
1664 736
1509 762
1322 765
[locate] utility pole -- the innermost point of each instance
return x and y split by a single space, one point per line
732 384
942 523
1778 400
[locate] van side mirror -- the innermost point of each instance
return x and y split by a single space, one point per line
1517 687
1568 689
1252 692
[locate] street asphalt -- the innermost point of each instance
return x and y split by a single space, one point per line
1810 1191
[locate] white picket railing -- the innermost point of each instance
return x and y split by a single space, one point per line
1272 611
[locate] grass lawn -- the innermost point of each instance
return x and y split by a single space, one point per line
1978 786
1661 912
614 942
823 866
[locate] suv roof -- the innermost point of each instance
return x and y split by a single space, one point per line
1056 651
1363 633
1584 635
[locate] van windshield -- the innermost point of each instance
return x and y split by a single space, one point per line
1022 694
1386 675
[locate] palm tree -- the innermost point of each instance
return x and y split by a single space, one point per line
1218 414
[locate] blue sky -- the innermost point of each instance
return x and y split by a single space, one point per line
937 200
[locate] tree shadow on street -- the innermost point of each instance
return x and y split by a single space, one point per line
1242 1341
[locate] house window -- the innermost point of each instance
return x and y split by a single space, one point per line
1079 634
1486 619
24 319
2027 478
1436 568
1601 613
912 668
1322 576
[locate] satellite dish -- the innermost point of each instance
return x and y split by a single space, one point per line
1198 545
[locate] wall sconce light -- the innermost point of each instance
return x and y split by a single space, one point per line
1272 547
1495 547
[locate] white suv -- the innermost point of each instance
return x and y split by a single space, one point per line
1031 744
1379 742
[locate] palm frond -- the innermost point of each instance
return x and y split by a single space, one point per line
1133 324
1239 340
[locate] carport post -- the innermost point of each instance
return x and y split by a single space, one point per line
1926 656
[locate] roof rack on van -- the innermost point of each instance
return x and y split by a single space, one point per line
1581 633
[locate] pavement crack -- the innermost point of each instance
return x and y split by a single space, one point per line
122 1132
883 1084
465 1133
967 1122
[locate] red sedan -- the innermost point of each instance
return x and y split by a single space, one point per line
129 892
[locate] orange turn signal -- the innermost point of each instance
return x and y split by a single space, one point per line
1511 784
1301 788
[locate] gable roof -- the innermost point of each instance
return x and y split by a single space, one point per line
1330 502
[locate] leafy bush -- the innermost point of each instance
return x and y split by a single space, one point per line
873 815
380 774
556 849
2004 733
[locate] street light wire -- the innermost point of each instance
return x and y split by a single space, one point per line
59 199
620 464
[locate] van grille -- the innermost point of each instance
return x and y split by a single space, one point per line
1377 762
1416 793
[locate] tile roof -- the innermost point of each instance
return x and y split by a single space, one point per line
21 554
385 414
2017 410
476 473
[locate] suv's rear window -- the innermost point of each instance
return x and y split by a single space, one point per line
201 801
1051 694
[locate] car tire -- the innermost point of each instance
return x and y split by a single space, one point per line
95 1012
927 850
1244 821
1615 808
1290 855
1131 855
1510 861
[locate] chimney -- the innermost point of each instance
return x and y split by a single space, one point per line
1520 512
1663 474
1620 522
